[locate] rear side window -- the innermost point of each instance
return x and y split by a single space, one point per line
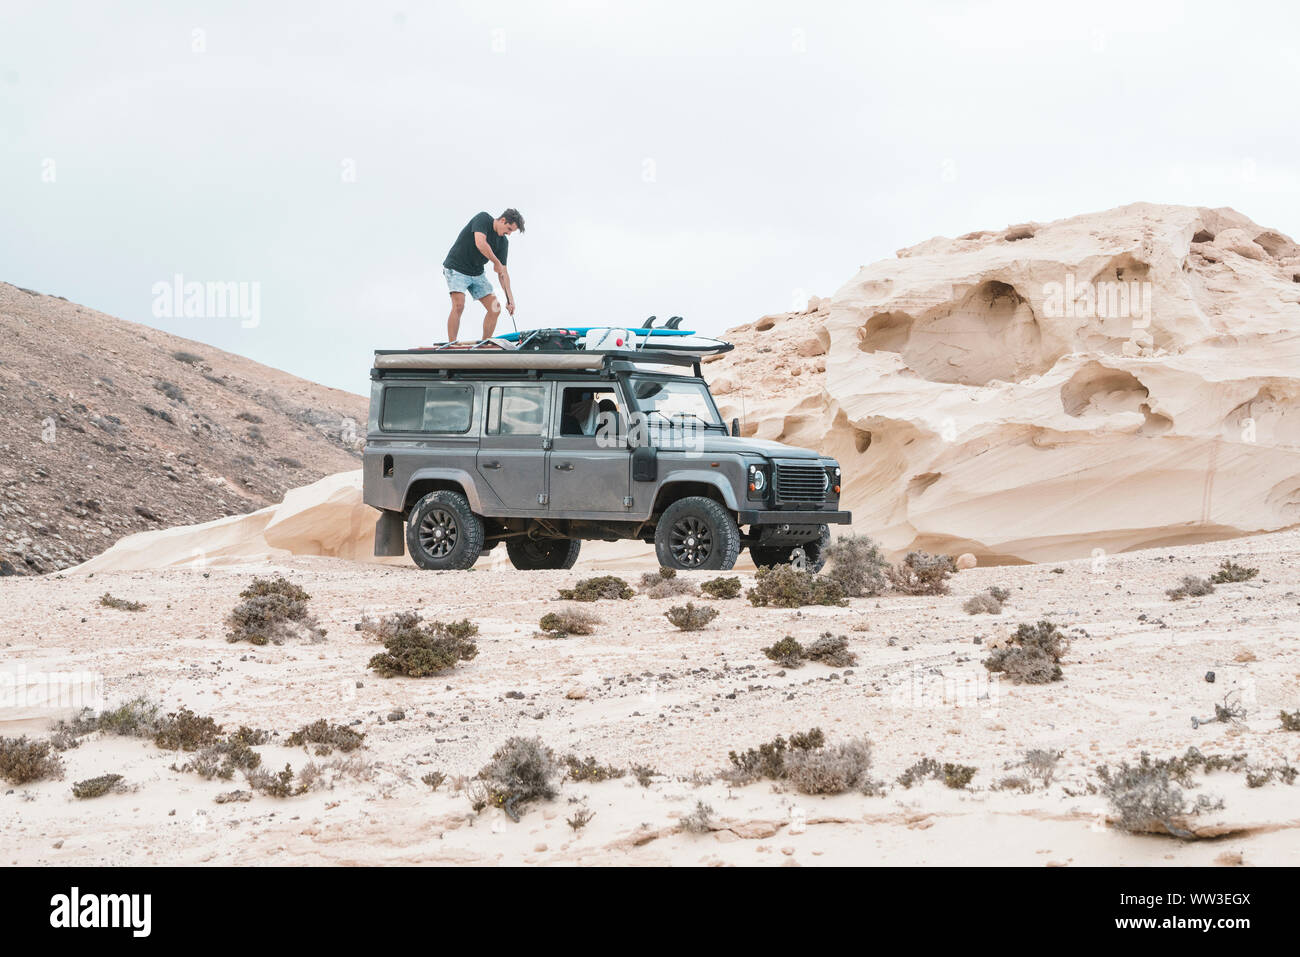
428 408
516 410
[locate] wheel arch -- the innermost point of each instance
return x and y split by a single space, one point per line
695 483
425 481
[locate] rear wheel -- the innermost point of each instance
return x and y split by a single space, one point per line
532 554
443 533
697 532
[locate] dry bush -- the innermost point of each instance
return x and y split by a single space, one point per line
1290 720
566 622
326 737
988 602
434 779
1145 798
314 776
955 776
418 650
279 784
833 770
589 770
920 573
665 584
23 761
581 818
97 787
787 653
273 610
721 588
1034 655
121 604
1191 587
184 730
783 586
699 821
521 770
856 565
690 618
831 650
768 759
598 588
1229 573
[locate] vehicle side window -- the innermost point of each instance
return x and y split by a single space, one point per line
433 408
516 410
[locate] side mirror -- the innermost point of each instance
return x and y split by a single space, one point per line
735 427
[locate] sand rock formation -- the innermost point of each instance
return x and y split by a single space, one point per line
1111 381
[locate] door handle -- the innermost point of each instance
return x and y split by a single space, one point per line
565 466
492 465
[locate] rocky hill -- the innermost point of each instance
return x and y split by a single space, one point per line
115 428
1107 382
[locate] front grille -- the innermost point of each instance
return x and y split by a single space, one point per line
799 483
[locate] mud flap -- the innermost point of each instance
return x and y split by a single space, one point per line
390 538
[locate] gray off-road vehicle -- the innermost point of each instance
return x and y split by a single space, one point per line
467 449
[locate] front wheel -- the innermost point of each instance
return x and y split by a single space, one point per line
532 554
443 533
697 532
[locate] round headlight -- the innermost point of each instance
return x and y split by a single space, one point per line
826 481
757 479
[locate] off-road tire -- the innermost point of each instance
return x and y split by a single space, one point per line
461 540
697 533
814 553
531 554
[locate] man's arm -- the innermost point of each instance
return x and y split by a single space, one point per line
480 240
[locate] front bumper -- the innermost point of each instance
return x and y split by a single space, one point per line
783 517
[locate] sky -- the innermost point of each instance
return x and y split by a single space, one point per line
715 160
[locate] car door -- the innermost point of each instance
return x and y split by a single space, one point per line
511 459
590 465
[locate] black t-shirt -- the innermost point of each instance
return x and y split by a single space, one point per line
464 256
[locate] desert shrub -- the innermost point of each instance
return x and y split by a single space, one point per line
831 650
121 604
568 621
1290 720
989 601
326 737
1144 796
920 573
23 760
787 653
856 565
783 586
644 774
589 769
581 817
768 760
418 650
1034 655
184 730
1229 572
595 589
690 618
97 787
721 588
189 358
170 390
521 770
434 779
955 776
699 821
1191 587
279 784
137 718
273 610
831 770
665 584
1041 764
249 417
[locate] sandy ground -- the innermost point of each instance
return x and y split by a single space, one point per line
639 692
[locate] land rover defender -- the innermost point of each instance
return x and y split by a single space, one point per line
540 450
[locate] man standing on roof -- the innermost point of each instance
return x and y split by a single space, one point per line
482 239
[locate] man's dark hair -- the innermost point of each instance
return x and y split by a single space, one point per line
512 216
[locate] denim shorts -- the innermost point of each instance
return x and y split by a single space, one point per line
477 286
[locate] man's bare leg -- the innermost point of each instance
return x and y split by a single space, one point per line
453 320
490 317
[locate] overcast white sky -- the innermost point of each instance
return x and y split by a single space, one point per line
717 160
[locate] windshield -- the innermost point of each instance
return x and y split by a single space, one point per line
674 398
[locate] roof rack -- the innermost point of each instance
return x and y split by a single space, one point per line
541 359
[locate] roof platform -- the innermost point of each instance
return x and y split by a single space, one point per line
557 360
